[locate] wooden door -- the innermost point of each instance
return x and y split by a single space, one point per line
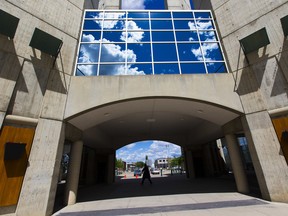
281 127
13 167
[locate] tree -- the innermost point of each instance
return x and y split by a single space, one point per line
139 164
119 164
177 162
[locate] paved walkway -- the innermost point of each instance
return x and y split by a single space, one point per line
170 195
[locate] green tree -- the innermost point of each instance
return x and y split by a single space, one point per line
177 161
139 164
119 164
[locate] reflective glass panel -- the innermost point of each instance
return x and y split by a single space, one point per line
140 69
189 52
204 24
193 68
211 51
186 36
113 53
166 69
216 67
112 69
86 70
137 36
91 36
164 52
137 24
184 24
182 15
92 24
163 36
161 24
142 52
160 15
92 14
113 24
207 36
88 53
113 36
138 15
114 15
203 15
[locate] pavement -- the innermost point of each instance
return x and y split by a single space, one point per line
170 195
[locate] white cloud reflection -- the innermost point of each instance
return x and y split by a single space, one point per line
109 53
133 4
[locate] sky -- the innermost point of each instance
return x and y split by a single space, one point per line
152 148
145 4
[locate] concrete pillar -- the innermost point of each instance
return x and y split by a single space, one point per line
111 168
208 161
190 164
268 161
41 177
90 175
73 172
2 115
237 164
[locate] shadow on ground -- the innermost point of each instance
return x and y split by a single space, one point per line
175 184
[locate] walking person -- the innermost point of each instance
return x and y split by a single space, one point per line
146 174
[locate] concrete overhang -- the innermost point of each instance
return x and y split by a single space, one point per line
118 110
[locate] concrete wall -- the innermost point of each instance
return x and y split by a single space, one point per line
116 88
31 85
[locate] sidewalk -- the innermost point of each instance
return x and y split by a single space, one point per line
170 195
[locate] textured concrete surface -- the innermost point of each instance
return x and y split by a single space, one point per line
170 195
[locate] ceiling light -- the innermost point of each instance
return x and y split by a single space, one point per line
150 120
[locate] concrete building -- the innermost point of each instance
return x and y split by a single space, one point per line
161 163
44 107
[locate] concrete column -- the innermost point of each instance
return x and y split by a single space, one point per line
237 164
111 168
2 115
208 162
41 177
73 172
178 4
190 164
90 175
268 161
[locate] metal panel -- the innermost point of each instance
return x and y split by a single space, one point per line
284 22
8 24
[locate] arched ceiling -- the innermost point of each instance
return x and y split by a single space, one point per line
177 120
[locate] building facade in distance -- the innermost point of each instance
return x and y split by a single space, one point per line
49 106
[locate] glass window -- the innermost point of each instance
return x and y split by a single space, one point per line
204 24
211 51
161 24
137 24
113 24
164 52
142 52
187 36
91 36
86 70
137 36
140 69
114 15
189 52
88 53
162 36
112 69
216 67
166 68
160 15
92 24
184 24
182 15
113 36
113 53
203 15
207 35
138 14
193 68
92 14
